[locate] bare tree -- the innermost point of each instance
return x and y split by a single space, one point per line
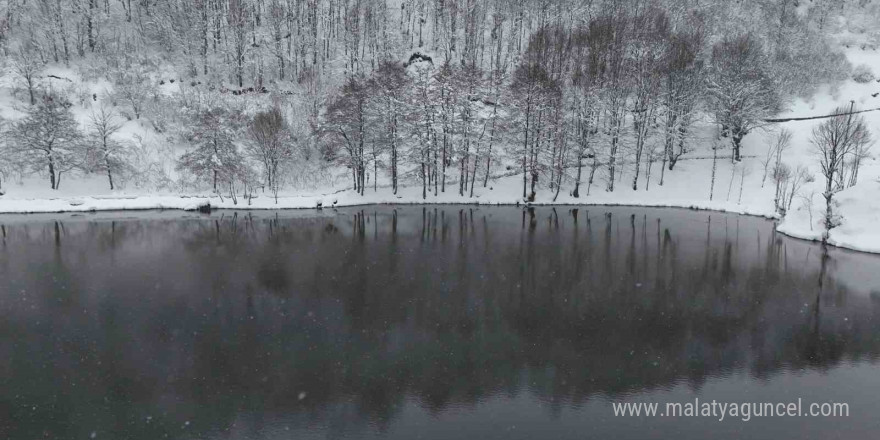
277 15
133 87
716 145
585 107
238 20
105 153
781 175
684 86
647 48
744 171
861 151
800 178
28 65
6 163
608 35
733 172
834 142
807 200
778 144
55 14
346 123
270 145
388 84
429 104
534 90
789 185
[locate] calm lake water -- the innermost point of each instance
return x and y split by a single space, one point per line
435 323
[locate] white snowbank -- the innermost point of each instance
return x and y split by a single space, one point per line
860 226
504 191
858 206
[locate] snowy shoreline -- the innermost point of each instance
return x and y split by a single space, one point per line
195 202
350 199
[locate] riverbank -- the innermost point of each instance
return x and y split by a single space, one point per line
856 233
860 226
502 191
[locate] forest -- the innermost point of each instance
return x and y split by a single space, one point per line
252 97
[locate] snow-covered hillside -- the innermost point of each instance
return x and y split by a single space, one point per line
858 206
155 181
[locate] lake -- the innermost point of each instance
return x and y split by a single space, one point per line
429 322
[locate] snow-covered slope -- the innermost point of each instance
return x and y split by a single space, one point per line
740 188
859 204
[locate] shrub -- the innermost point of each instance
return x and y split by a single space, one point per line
862 74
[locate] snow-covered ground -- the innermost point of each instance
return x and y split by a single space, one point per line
738 188
677 192
858 205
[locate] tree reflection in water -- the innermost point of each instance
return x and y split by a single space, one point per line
140 326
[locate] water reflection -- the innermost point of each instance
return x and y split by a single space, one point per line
180 325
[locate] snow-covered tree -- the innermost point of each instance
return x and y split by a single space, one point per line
623 81
215 157
741 93
48 138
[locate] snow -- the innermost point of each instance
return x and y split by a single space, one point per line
858 230
687 186
678 192
859 206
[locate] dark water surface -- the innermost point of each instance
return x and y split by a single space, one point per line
434 323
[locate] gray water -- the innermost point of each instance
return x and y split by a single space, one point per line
434 322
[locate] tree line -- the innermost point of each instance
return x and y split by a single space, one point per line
446 94
615 95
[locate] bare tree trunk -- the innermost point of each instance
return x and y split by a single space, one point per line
52 172
615 141
90 24
110 175
829 216
714 169
394 155
737 137
663 169
424 180
526 148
